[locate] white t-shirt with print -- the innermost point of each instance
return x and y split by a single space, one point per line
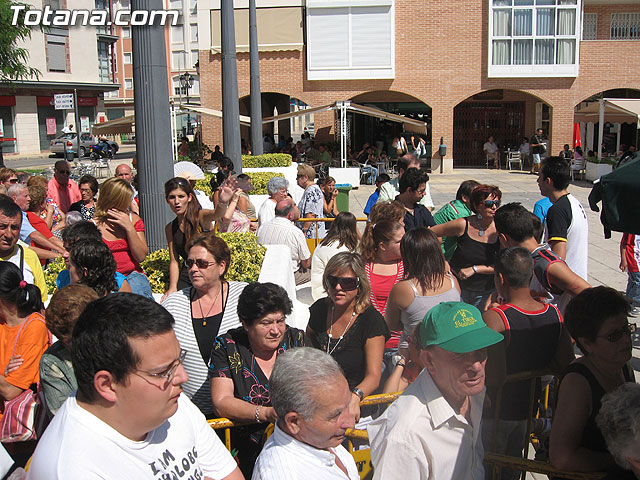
78 445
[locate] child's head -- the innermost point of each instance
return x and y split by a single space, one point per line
382 178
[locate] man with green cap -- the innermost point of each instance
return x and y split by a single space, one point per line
432 431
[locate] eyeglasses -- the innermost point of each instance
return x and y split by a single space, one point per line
300 176
347 283
422 190
202 264
491 203
618 334
64 172
167 375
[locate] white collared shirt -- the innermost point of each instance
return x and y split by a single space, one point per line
421 437
285 458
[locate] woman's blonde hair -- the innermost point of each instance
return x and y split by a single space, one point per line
342 262
308 171
114 193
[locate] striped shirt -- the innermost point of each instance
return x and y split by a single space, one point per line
178 304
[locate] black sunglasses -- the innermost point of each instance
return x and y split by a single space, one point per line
491 203
347 283
202 264
618 334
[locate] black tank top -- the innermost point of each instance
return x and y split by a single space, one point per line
532 340
471 252
591 436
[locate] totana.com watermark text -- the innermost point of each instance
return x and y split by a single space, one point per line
99 18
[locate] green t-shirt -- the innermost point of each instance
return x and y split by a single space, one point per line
451 211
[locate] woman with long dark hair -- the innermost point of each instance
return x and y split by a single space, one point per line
427 283
92 264
342 237
190 220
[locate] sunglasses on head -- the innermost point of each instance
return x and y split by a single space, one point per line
491 203
347 283
189 262
618 334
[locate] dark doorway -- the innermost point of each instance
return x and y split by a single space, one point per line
474 122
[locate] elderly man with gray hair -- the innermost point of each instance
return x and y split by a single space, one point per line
278 190
619 422
311 397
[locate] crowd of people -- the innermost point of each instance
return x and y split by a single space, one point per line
443 307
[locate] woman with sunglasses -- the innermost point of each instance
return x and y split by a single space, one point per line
472 262
203 311
347 327
597 319
190 219
241 363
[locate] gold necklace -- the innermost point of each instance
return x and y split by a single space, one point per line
204 318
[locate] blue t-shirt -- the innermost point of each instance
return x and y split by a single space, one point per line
64 278
26 229
541 208
371 202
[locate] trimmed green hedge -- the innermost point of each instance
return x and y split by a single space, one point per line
266 160
246 261
259 181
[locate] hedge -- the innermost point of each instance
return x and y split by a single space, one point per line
266 160
259 181
246 261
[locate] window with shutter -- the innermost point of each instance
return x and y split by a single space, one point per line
350 42
590 26
56 53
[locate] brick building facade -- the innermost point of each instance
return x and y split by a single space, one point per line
441 59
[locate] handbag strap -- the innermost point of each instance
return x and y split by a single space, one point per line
22 327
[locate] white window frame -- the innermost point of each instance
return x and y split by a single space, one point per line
535 70
128 83
351 72
129 56
126 32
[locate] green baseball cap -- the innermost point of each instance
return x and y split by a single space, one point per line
456 327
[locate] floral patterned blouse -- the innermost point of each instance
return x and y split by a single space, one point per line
312 202
232 357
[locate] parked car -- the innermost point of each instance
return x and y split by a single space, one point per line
57 145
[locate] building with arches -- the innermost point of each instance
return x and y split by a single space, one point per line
470 69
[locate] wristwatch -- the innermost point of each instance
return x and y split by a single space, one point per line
475 269
358 392
397 360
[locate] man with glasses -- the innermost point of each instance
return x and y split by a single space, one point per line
283 231
389 190
129 418
413 185
62 190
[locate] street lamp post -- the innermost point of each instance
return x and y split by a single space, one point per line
186 82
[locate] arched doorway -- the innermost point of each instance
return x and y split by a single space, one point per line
618 132
277 104
506 115
380 132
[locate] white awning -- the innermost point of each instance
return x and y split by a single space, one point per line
615 110
409 124
114 127
244 120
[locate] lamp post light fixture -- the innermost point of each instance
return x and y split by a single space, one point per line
186 82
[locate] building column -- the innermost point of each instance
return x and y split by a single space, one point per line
562 114
442 126
26 125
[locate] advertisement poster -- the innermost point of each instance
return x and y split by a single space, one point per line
1 128
51 125
84 125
